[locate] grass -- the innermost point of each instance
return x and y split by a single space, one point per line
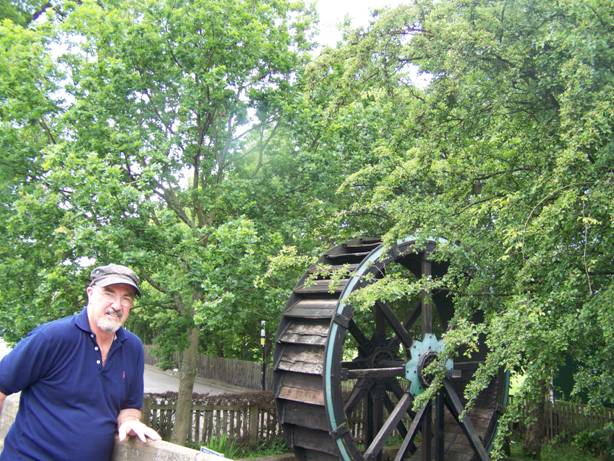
275 447
231 450
551 452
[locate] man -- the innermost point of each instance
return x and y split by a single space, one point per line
80 377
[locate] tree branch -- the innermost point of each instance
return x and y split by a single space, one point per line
45 127
40 11
261 146
155 284
169 197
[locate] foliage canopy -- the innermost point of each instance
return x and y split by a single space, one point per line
193 140
507 153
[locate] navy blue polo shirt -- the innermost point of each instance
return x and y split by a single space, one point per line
69 401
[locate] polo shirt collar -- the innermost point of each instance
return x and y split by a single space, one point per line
82 322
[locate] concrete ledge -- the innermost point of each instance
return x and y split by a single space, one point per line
129 450
134 449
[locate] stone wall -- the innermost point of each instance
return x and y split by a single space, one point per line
130 450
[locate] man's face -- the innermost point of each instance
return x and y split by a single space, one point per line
108 307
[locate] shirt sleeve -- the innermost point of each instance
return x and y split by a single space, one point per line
28 362
134 396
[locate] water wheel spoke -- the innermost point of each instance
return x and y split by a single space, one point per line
375 413
359 336
395 388
468 363
390 407
396 325
408 324
355 364
374 373
380 326
427 306
456 407
391 363
464 369
389 425
359 392
408 442
439 427
413 317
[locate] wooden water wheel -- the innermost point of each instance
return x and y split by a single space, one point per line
345 381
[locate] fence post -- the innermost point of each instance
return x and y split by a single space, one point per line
146 411
263 345
253 425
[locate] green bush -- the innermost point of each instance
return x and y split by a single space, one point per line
555 450
231 449
597 442
276 446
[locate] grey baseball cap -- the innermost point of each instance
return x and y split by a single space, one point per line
114 273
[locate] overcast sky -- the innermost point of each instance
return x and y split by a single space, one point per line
332 12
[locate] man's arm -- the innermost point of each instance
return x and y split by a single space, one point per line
129 423
2 398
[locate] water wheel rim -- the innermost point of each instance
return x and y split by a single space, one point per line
330 349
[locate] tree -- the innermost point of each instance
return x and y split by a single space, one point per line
28 111
189 141
506 153
23 12
161 101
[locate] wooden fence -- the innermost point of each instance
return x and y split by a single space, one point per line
247 419
234 371
568 418
250 418
238 372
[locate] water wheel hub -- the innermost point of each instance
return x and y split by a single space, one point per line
423 353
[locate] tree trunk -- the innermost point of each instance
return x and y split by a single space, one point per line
187 375
534 435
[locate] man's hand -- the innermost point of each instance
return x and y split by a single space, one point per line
128 422
133 427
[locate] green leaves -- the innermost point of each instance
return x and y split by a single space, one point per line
188 140
125 144
504 154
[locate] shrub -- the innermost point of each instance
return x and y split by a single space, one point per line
598 442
